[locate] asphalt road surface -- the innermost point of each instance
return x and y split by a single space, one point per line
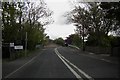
63 62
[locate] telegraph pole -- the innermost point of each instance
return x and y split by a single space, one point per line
25 43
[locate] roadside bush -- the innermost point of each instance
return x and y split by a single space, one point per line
101 40
59 41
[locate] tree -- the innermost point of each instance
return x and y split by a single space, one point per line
59 41
35 24
75 40
112 10
90 21
21 17
9 21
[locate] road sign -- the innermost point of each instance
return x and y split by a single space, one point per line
11 44
18 47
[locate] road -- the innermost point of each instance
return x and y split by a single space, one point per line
63 62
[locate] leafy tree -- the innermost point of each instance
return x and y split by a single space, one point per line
9 22
76 40
21 17
59 41
112 10
90 21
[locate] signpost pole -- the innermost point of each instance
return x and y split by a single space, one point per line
26 44
10 53
83 39
11 46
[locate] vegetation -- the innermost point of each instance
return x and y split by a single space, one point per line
112 11
91 22
59 41
75 40
24 22
20 18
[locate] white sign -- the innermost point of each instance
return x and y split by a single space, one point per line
11 44
18 47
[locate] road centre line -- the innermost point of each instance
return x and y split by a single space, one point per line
20 67
77 76
86 75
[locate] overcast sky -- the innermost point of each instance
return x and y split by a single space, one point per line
59 28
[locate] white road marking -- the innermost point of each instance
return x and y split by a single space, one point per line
91 53
20 67
82 72
86 75
77 76
97 58
74 46
106 60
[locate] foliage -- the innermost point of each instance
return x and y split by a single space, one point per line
76 40
91 22
112 10
103 40
59 41
21 17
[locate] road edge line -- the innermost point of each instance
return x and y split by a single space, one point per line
20 67
72 46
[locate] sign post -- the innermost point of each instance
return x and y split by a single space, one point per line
11 49
26 44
